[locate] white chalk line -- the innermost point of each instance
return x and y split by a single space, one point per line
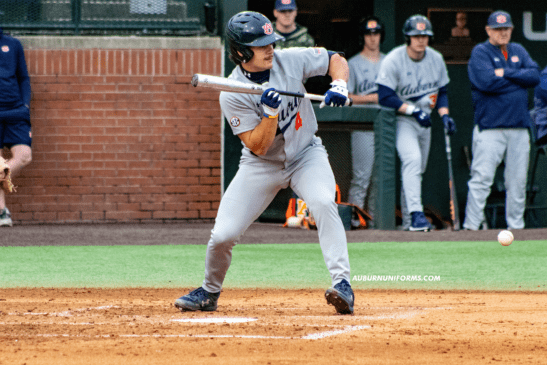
312 336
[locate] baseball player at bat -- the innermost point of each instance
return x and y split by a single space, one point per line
280 149
413 80
363 69
500 73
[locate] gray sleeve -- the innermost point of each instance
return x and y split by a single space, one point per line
388 75
240 111
303 63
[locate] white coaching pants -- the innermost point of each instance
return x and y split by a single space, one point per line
490 148
413 143
253 188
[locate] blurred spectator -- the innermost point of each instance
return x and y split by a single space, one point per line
295 35
500 73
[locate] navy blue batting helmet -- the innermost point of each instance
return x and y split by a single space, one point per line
249 29
370 25
417 25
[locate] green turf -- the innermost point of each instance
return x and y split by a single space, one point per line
458 265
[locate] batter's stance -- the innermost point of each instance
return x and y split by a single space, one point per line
280 149
413 80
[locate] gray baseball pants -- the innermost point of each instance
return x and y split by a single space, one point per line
413 142
491 147
253 188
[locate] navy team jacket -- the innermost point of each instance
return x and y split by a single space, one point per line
501 102
14 80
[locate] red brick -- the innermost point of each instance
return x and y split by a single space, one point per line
122 124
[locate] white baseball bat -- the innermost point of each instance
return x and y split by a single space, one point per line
233 86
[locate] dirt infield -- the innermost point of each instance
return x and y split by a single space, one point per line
141 326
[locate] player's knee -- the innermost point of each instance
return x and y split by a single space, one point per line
224 236
26 158
321 204
412 161
21 157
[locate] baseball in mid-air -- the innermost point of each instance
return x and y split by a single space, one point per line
294 222
505 238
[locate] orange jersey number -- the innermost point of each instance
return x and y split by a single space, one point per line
433 100
298 121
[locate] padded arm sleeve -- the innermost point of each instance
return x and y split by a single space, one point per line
388 98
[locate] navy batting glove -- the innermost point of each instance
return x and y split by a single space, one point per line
449 125
422 117
271 102
337 94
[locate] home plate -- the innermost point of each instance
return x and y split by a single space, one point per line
215 320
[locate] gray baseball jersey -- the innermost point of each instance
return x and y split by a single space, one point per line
362 75
416 83
297 121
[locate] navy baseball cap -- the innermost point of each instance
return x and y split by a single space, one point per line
500 19
285 5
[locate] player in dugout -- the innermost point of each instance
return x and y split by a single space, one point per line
363 69
413 80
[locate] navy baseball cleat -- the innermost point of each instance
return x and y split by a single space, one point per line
419 222
341 296
198 300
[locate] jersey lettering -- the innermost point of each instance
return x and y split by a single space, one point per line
408 90
291 107
365 86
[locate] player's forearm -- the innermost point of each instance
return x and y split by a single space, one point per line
364 99
338 68
261 138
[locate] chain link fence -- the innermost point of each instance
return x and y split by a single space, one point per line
104 17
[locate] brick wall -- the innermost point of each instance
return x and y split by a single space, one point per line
119 134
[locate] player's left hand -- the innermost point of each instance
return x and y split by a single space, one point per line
337 94
449 125
271 102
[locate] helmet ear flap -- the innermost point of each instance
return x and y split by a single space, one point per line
240 54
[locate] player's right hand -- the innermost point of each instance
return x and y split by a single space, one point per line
271 102
337 95
449 125
422 117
